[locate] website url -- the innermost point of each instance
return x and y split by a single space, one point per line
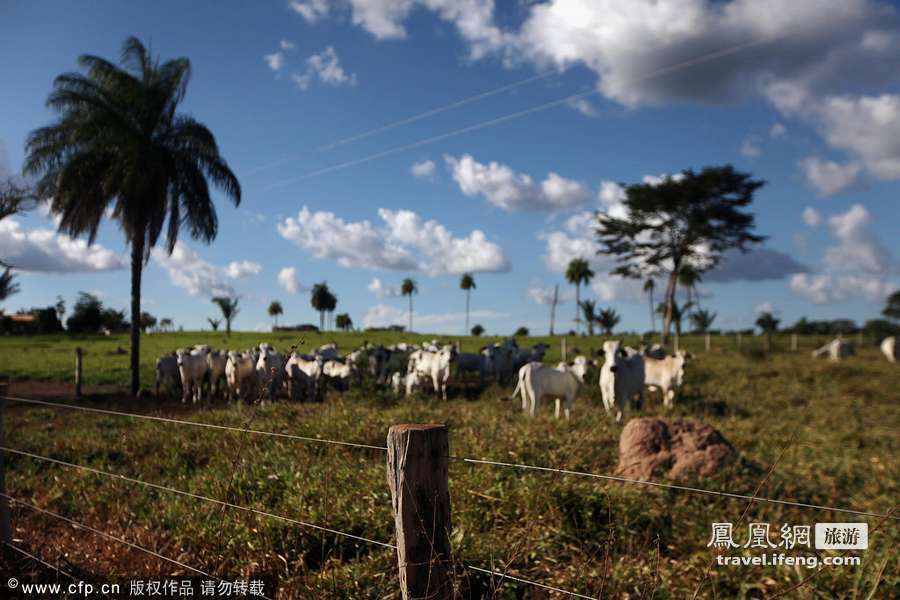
810 561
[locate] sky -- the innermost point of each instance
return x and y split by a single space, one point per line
381 139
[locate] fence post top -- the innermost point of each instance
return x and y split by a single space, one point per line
416 427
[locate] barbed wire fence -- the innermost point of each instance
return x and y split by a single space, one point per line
408 469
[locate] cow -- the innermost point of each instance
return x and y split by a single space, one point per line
889 348
270 370
471 363
621 377
653 351
216 361
167 371
435 365
240 374
338 373
499 360
524 356
328 351
665 374
304 376
192 367
579 366
835 350
537 382
405 383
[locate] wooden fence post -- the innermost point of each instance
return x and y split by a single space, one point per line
793 342
5 524
707 342
420 501
563 348
78 372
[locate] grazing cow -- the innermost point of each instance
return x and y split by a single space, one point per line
666 374
338 374
889 348
835 350
270 370
216 361
304 376
621 377
240 374
471 363
167 371
192 367
435 365
537 382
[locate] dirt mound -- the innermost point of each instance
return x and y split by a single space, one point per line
651 447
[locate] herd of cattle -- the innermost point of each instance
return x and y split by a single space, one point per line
264 373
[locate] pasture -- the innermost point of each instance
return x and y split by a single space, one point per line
827 431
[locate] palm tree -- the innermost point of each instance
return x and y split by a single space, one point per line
408 288
608 318
119 140
229 308
319 299
467 283
214 323
343 322
769 325
588 311
8 286
165 324
330 304
678 313
702 320
649 286
578 272
688 278
275 309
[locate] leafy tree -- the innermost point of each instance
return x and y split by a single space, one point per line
60 308
409 287
320 298
649 286
589 314
477 330
768 324
467 283
8 286
330 304
689 220
148 321
214 323
114 320
119 140
229 308
522 331
165 324
880 328
608 318
45 320
578 272
892 307
275 309
343 322
702 320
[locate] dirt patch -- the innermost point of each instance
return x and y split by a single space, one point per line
651 447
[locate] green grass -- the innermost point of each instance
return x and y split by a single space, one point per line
574 533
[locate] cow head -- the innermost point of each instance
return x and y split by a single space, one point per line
613 353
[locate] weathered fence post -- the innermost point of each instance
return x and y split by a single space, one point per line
563 349
420 501
5 524
707 342
793 342
78 372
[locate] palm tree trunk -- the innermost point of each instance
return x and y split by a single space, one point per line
652 313
670 302
577 307
137 265
466 332
410 313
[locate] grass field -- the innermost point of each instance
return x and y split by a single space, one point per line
838 422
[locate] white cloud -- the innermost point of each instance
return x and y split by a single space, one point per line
45 250
311 10
380 290
811 216
831 289
382 315
777 130
750 147
512 191
325 67
423 170
290 282
275 60
766 307
544 295
827 177
584 106
406 242
200 278
286 45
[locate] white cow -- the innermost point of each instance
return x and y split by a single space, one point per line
537 382
338 373
166 371
216 361
665 374
407 383
435 365
270 370
889 348
304 376
192 367
579 366
240 374
835 350
621 377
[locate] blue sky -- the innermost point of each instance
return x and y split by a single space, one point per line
810 103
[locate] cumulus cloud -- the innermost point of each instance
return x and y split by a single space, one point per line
777 130
405 242
750 147
584 106
423 170
544 295
45 250
286 45
380 290
511 191
290 282
190 272
382 315
812 217
757 264
311 10
827 177
325 67
275 60
766 307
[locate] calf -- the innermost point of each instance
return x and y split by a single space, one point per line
621 377
435 365
666 374
537 382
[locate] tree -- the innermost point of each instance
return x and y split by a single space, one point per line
467 283
148 321
229 308
477 330
649 286
320 298
87 314
521 331
330 304
608 318
678 313
588 313
275 309
114 320
688 220
688 278
768 324
60 308
214 323
578 272
120 141
165 324
409 288
343 322
8 286
892 307
702 320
